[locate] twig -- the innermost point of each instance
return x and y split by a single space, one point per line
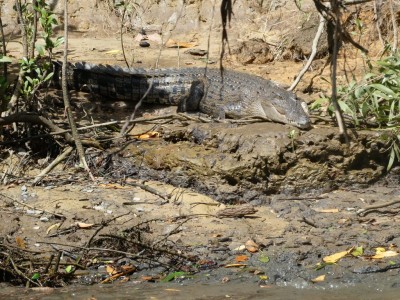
308 222
378 20
37 119
129 254
67 103
32 207
104 224
362 212
23 28
58 258
3 42
34 33
394 24
18 271
336 43
322 22
53 164
122 35
149 189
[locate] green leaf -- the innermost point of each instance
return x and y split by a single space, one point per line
69 269
358 251
173 276
391 159
35 276
263 258
5 59
382 88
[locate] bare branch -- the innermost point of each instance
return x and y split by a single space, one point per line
322 22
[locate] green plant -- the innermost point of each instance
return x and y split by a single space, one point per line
374 101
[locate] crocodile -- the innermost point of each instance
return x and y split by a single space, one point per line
219 94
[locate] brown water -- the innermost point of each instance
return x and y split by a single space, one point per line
200 291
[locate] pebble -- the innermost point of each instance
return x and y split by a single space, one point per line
144 44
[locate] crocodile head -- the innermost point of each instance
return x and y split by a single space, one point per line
285 107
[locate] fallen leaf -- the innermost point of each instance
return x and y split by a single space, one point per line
113 52
358 251
54 226
111 270
251 246
331 210
263 258
241 258
174 44
336 257
263 277
240 248
113 186
389 253
84 225
235 266
318 279
148 135
20 242
147 278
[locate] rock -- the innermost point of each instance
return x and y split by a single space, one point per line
144 44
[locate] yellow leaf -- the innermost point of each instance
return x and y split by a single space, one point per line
83 225
331 210
389 253
111 270
336 257
148 135
318 279
379 250
113 52
263 277
54 226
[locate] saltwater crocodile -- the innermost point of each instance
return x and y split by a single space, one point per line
230 94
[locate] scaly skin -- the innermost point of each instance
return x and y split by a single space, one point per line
232 94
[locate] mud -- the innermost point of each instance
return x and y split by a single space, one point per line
308 187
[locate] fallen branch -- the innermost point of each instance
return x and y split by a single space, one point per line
40 120
53 164
32 207
362 212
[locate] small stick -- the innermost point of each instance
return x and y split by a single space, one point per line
362 212
53 164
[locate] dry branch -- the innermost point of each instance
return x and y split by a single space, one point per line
322 23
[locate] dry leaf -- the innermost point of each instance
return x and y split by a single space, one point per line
113 186
251 246
336 257
318 279
174 44
20 242
331 210
111 270
235 266
389 253
147 278
148 135
84 225
54 226
113 52
241 258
